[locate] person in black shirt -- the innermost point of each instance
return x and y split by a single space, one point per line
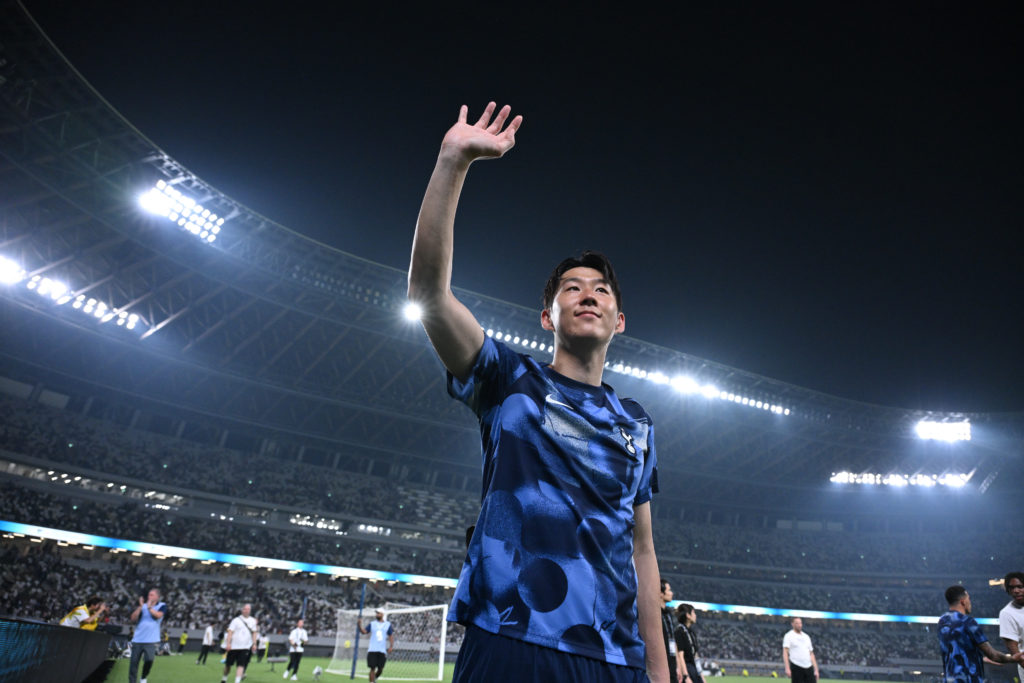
686 645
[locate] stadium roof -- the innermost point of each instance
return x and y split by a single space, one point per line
279 335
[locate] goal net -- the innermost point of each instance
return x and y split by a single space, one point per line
420 642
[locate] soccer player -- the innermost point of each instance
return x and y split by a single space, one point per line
150 615
296 639
798 654
377 652
240 643
207 644
1011 617
560 580
86 616
962 642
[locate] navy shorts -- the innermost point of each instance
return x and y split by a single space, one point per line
238 658
488 657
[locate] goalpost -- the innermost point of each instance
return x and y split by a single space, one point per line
420 635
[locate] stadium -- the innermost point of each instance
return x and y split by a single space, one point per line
198 398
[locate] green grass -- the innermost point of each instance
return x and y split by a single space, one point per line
183 669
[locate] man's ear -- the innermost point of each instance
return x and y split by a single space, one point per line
545 320
620 325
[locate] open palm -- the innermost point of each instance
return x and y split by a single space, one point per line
489 137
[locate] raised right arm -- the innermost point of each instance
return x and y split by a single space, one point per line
453 331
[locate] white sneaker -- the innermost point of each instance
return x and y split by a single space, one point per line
295 678
285 676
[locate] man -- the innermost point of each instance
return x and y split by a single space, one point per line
86 616
376 652
240 643
962 642
560 578
668 630
207 644
182 639
686 644
798 654
296 639
1011 617
150 616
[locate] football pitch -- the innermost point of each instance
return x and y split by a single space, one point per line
183 669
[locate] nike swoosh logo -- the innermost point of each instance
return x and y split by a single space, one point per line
550 398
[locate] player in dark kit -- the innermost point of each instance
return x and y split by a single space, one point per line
561 579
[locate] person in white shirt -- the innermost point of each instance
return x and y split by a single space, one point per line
207 644
240 643
798 654
1011 617
296 639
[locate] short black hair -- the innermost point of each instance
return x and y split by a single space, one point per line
587 259
1012 575
955 594
93 600
683 610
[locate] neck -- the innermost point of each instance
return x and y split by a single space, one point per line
958 608
586 367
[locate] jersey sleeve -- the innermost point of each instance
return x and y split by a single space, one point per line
649 475
495 369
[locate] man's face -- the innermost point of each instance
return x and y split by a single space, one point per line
584 307
154 595
380 616
666 595
798 625
300 624
966 602
1016 590
246 609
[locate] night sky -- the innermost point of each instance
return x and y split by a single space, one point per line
827 194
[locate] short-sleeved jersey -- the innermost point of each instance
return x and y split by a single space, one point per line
76 617
243 630
379 632
296 639
564 464
959 639
1011 626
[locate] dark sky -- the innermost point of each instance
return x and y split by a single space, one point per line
828 194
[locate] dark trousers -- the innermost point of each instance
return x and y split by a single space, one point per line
293 662
139 651
801 674
202 654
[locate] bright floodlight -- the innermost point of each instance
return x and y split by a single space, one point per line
944 431
412 312
952 480
10 272
164 200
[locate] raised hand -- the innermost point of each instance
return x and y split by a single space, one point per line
488 138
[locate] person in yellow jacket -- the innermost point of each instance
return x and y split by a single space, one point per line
86 616
182 639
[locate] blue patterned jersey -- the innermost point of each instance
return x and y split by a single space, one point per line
551 559
959 639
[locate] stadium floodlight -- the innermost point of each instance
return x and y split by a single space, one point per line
10 272
412 311
165 200
685 385
944 431
948 479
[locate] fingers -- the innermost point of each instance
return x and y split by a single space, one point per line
499 120
486 116
463 113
